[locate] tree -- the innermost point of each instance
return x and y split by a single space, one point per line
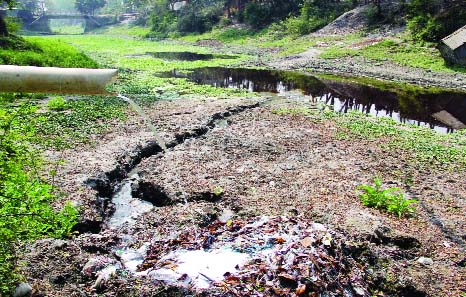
89 6
3 27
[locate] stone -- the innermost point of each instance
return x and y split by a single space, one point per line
23 290
425 261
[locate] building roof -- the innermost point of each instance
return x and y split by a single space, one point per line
456 39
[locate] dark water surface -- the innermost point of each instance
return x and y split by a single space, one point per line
442 110
187 56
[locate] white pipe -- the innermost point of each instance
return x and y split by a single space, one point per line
51 80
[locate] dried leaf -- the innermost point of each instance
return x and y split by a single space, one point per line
306 242
301 289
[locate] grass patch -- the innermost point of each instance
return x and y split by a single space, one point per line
25 210
36 51
403 53
83 118
138 73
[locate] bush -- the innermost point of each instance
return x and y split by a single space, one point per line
57 104
431 20
13 24
257 15
425 28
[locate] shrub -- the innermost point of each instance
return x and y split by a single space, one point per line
257 15
391 199
424 28
57 104
13 24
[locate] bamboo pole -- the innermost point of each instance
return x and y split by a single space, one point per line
28 79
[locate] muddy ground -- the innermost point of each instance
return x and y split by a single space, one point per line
229 164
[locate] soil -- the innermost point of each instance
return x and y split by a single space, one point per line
236 158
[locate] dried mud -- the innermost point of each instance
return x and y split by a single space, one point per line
264 165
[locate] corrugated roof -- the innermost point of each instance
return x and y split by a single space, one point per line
456 39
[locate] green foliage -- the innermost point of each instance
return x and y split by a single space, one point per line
388 12
89 6
161 20
391 199
431 20
13 24
25 210
257 15
57 104
42 52
425 28
218 191
429 147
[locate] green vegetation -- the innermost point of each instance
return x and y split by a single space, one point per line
429 147
431 20
296 17
84 117
401 52
35 51
141 75
391 199
25 210
57 104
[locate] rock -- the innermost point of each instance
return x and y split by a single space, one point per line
102 184
226 215
24 289
105 275
360 291
306 242
425 261
96 264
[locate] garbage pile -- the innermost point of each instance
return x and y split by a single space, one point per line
267 256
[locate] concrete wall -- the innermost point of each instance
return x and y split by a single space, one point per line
453 57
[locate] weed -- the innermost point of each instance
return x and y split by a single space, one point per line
391 199
218 191
57 104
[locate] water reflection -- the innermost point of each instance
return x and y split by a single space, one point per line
412 105
187 56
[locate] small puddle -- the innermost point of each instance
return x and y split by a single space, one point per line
202 268
442 110
185 56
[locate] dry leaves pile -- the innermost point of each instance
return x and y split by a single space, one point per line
288 257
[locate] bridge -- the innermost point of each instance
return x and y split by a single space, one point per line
41 23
